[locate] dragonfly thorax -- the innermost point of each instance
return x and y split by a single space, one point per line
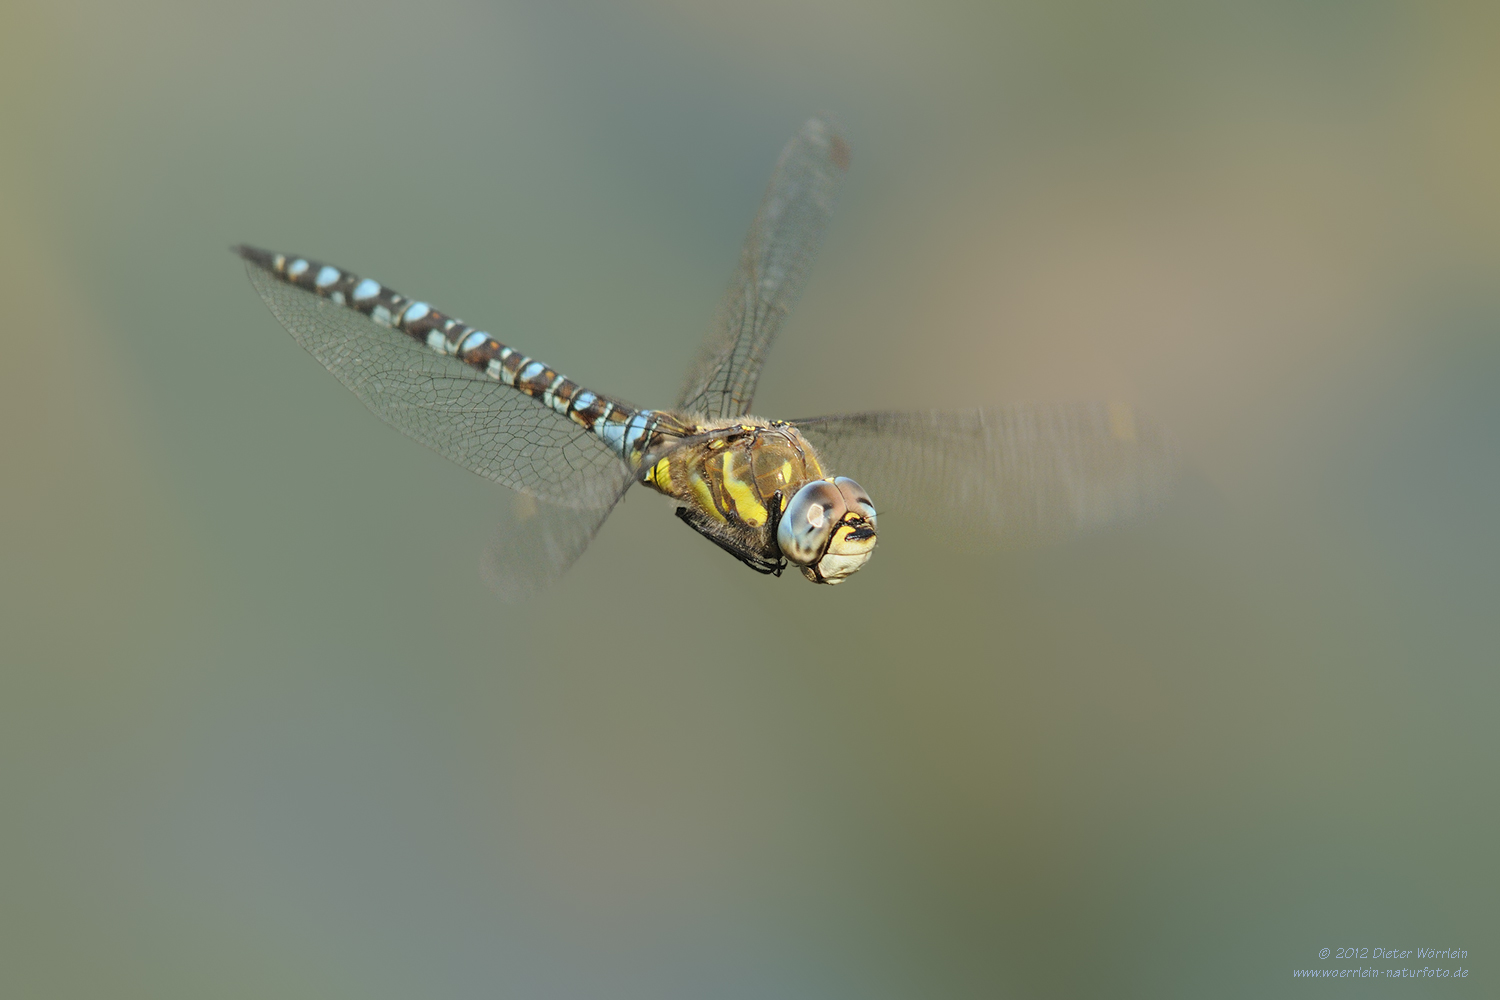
757 488
734 474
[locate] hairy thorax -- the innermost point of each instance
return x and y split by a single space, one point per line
735 473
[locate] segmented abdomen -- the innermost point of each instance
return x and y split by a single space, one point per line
627 430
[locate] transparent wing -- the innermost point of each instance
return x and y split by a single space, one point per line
773 267
483 425
1007 475
535 547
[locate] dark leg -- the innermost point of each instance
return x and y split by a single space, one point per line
771 534
716 533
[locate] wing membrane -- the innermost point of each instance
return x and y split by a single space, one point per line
1010 475
533 549
774 263
483 425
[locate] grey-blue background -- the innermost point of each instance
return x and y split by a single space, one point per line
263 731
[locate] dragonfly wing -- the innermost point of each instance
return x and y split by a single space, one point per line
774 263
536 546
485 426
1009 475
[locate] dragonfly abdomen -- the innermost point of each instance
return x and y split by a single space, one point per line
627 430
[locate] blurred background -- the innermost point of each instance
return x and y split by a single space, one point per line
264 731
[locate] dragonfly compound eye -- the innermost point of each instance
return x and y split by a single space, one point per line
856 499
853 538
828 529
808 522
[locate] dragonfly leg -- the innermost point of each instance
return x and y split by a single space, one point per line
726 540
776 507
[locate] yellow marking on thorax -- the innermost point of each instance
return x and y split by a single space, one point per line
746 504
704 496
659 477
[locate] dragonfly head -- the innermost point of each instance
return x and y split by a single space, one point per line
828 529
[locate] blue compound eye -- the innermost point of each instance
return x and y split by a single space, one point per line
855 497
853 539
809 520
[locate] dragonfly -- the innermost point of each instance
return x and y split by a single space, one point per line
772 493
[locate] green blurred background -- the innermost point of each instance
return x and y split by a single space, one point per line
264 732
